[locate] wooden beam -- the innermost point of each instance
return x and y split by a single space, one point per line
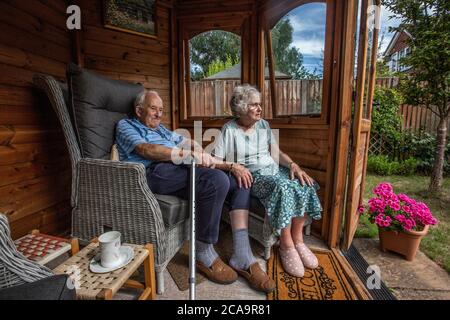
271 72
344 85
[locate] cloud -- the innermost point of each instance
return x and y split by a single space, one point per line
310 47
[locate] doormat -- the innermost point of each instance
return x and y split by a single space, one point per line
327 282
178 268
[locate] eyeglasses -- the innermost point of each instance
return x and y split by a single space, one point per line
254 105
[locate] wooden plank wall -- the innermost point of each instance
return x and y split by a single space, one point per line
34 163
126 56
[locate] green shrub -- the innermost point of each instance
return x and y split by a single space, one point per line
407 167
422 146
386 122
381 165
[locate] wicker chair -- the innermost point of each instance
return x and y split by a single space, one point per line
115 195
15 269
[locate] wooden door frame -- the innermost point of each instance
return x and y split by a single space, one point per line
341 120
343 188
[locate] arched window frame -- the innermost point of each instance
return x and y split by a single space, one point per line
238 23
270 13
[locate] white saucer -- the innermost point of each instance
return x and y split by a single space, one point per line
126 254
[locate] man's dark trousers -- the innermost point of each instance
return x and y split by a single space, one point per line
212 187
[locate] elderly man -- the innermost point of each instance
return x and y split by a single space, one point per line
144 139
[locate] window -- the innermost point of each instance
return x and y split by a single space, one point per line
215 69
298 48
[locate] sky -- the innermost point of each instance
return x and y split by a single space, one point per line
308 22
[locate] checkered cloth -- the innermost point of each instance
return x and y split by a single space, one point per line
42 248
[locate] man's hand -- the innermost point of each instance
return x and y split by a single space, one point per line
243 175
301 175
204 159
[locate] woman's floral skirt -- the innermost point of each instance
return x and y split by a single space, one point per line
284 198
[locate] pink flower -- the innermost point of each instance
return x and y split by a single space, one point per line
385 186
386 207
406 209
361 209
387 221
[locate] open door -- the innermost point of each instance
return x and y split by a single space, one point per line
365 83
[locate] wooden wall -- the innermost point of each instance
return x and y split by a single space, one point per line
34 165
129 57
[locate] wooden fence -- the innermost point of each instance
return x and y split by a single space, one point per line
294 97
414 117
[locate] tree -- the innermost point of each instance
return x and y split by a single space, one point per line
428 23
217 66
213 47
288 59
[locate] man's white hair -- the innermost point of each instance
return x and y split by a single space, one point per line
140 99
240 99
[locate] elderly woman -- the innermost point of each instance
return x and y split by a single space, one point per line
286 191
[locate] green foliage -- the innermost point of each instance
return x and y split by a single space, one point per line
288 59
383 69
213 50
386 122
428 23
210 47
381 165
422 146
218 65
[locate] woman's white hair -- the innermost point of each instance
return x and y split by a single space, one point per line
140 98
240 99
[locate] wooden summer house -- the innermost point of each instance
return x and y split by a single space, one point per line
331 143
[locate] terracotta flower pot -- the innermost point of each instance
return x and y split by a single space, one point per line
405 243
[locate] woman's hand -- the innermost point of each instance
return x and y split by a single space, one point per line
301 175
243 175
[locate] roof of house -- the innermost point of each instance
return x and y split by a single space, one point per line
394 41
234 72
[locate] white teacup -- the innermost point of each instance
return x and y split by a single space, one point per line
109 249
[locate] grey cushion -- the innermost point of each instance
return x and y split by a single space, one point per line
50 288
173 209
97 104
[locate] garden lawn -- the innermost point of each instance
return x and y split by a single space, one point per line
436 244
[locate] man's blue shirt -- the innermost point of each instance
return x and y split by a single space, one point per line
132 132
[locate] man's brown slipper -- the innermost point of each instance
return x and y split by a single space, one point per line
219 272
257 278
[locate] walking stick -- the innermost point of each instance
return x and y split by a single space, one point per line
192 242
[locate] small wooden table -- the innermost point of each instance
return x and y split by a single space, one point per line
91 286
